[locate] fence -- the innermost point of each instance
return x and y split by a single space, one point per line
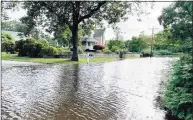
97 55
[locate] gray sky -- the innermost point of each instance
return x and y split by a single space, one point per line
129 28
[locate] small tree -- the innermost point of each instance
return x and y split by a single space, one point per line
137 45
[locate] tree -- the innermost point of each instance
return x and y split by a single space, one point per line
178 17
117 32
5 5
63 35
115 45
13 26
75 13
164 40
137 45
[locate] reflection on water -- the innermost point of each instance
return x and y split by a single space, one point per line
121 90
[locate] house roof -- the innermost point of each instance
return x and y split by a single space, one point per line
14 34
98 32
88 39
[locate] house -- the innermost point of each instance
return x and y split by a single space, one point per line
99 36
96 37
88 42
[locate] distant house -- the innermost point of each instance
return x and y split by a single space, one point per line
96 37
99 36
15 35
88 42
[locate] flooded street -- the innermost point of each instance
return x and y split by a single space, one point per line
119 90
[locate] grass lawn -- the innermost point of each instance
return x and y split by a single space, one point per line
14 57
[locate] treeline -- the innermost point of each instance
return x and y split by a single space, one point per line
162 44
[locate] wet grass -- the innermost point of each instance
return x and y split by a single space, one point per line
14 57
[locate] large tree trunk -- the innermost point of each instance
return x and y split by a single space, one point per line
75 41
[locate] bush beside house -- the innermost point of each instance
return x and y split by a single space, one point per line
98 47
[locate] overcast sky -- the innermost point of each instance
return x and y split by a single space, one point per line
129 28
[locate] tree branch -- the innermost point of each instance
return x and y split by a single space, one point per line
92 11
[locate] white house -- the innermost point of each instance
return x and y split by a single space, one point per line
88 42
96 37
99 36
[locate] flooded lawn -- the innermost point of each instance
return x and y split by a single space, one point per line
120 90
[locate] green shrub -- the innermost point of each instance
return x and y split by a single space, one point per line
8 46
44 42
115 49
146 53
80 50
37 49
119 43
178 96
19 47
137 45
162 52
62 51
49 51
124 51
106 51
5 37
99 51
29 47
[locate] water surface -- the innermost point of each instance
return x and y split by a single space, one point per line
119 90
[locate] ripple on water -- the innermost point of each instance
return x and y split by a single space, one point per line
122 90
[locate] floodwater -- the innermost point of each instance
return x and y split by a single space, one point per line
119 90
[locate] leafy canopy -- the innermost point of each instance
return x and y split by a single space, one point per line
178 17
55 14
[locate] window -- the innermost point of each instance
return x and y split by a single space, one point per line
84 43
88 43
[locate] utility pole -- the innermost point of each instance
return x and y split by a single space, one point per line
152 38
152 42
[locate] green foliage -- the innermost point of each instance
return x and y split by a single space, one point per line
185 47
68 13
178 96
106 51
115 49
8 46
32 47
146 53
80 50
49 51
37 48
29 47
44 42
137 45
5 36
162 52
7 42
98 51
63 36
115 45
62 51
13 26
178 16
